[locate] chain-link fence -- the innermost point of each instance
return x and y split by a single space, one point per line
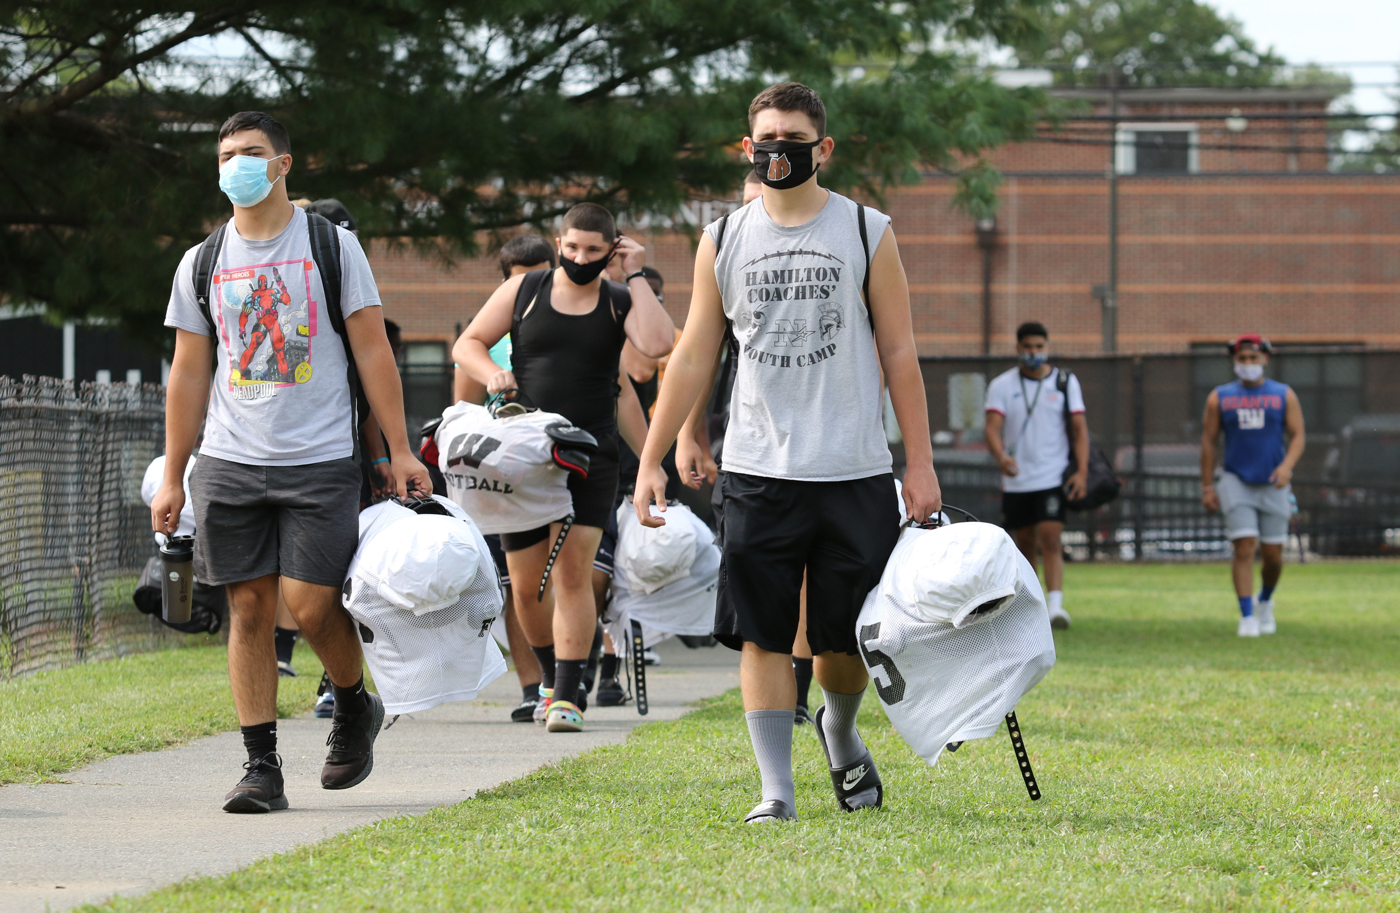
74 533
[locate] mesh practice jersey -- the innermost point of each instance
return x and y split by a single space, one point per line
502 471
685 604
424 592
955 633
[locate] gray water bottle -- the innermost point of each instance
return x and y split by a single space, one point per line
177 579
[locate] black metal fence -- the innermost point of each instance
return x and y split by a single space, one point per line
1145 413
74 532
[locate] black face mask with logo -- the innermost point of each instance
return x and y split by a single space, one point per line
783 164
584 273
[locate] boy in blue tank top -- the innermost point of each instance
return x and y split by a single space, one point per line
1253 489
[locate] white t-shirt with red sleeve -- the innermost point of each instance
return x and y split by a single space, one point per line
1034 432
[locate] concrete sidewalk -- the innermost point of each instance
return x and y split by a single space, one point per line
137 822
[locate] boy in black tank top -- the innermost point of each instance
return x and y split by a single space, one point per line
567 328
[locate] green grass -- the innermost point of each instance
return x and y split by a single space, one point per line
56 721
1182 768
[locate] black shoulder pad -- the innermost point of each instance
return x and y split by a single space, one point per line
572 437
426 506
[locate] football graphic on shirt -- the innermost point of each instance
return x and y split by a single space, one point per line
779 167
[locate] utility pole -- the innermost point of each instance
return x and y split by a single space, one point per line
1110 298
987 241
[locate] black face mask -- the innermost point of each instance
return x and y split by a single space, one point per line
783 164
584 273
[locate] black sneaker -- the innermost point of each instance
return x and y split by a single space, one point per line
857 785
610 693
285 670
525 713
802 717
260 790
351 757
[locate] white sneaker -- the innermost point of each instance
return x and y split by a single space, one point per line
1059 619
1249 626
1264 611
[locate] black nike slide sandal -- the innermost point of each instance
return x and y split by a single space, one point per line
771 810
853 780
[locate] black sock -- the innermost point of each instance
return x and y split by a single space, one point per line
351 701
568 676
597 647
546 657
802 669
259 740
285 639
530 692
325 684
608 668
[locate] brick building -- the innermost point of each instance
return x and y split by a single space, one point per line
1228 220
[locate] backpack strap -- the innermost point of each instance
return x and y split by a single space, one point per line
620 297
529 290
325 251
865 246
729 336
204 274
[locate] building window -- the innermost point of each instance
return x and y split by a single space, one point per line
1158 149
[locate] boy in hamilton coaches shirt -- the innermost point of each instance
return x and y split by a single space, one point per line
808 281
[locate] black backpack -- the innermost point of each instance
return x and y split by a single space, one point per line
1103 484
325 251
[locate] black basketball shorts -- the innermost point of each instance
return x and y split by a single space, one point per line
1027 508
840 533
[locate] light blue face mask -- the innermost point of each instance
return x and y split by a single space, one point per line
243 179
1033 360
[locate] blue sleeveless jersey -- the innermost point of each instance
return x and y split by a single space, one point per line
1253 421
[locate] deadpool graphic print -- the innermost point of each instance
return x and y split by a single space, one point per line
266 325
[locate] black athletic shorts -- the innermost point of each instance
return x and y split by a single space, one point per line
1020 509
841 533
606 559
498 555
593 499
300 522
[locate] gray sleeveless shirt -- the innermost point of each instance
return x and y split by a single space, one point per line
806 399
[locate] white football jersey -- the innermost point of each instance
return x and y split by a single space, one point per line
424 592
954 634
502 471
685 604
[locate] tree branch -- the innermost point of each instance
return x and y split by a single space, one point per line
110 69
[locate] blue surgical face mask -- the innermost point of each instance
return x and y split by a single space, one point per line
243 179
1033 360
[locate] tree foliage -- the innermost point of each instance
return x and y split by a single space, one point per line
435 120
1145 43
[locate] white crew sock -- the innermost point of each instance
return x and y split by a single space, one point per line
1054 600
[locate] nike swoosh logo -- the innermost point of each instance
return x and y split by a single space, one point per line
853 777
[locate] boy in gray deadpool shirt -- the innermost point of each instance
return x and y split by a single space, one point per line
276 490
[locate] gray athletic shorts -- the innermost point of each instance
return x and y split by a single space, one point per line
300 522
1254 511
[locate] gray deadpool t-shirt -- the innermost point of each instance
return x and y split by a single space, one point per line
279 395
806 403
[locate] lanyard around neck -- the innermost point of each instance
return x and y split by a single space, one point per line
1030 406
